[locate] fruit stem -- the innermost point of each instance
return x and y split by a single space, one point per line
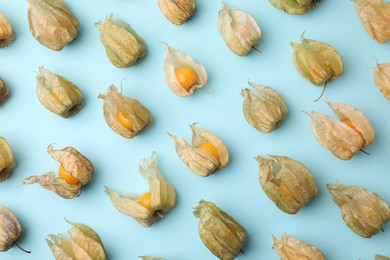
323 91
21 248
365 152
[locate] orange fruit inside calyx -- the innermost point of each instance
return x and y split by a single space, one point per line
67 177
351 125
209 147
186 76
124 121
145 200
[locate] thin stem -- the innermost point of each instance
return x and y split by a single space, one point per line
158 213
382 230
365 152
21 248
255 48
323 91
242 251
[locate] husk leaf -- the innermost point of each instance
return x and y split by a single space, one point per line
298 7
177 11
150 258
10 229
7 162
382 79
6 32
4 91
290 248
381 257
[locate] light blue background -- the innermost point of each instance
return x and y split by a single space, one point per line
30 128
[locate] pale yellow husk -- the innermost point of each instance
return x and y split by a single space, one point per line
382 79
6 33
7 161
290 248
177 11
10 229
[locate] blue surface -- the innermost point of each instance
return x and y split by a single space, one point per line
30 128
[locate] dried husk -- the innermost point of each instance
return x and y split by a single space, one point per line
57 94
219 232
4 91
278 171
73 163
6 33
238 29
316 61
299 7
264 109
138 115
381 257
375 16
199 161
362 210
7 162
177 11
163 196
10 229
84 243
382 79
339 138
51 23
174 59
124 47
290 248
150 258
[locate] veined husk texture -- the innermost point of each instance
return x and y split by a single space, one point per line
381 257
238 29
177 11
219 232
57 94
264 108
6 32
7 161
335 135
73 163
10 229
84 243
163 196
375 16
288 183
316 61
290 248
51 23
382 79
299 7
4 91
150 258
124 47
362 210
174 59
200 161
114 103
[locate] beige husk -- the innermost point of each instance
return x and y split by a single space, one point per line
299 7
73 163
362 210
83 244
199 161
163 196
174 59
219 232
7 162
296 178
57 94
124 47
381 257
10 229
4 91
375 16
238 29
6 33
290 248
339 138
316 61
264 109
177 11
150 258
51 23
138 115
382 79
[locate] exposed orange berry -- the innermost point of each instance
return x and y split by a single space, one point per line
351 125
124 121
145 201
209 147
285 190
187 77
67 177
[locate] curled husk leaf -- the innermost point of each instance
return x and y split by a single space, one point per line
316 61
343 140
150 258
175 59
7 162
163 196
295 6
288 183
381 257
57 94
177 11
238 29
51 23
10 229
4 92
382 78
133 111
74 164
6 33
290 248
84 243
124 47
362 210
375 16
219 232
264 109
201 161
